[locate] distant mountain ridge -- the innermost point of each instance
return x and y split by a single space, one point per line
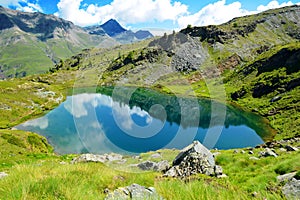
116 31
34 42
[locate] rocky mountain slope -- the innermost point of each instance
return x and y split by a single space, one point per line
33 42
252 61
116 31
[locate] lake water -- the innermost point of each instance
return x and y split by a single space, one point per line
143 120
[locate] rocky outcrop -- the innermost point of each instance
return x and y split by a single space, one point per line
291 189
134 191
286 177
192 160
97 158
154 166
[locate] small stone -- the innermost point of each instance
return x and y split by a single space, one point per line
254 194
149 165
218 170
282 150
291 148
268 152
62 163
251 152
156 155
97 158
222 176
253 158
235 151
243 152
134 191
136 157
106 191
3 175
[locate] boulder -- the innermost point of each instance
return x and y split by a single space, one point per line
291 189
134 191
268 152
154 166
291 148
97 158
3 175
195 147
156 155
194 159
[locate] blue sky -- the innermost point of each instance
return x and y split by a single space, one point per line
137 14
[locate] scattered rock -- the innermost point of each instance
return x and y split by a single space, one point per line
133 191
286 177
63 163
3 175
254 194
97 158
277 98
156 155
253 158
282 149
216 154
136 157
291 189
268 152
251 152
218 170
154 166
235 151
291 148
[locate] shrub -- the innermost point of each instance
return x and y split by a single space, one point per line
283 169
14 140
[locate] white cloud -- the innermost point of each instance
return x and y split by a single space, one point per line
220 12
273 4
42 123
125 11
22 5
215 13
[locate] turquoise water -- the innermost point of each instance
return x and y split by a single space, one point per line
146 121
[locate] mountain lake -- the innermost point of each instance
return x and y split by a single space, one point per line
129 121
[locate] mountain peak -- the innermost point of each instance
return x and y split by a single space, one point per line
112 27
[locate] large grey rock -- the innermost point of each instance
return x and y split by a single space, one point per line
3 175
194 159
154 166
134 191
195 147
291 189
97 158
